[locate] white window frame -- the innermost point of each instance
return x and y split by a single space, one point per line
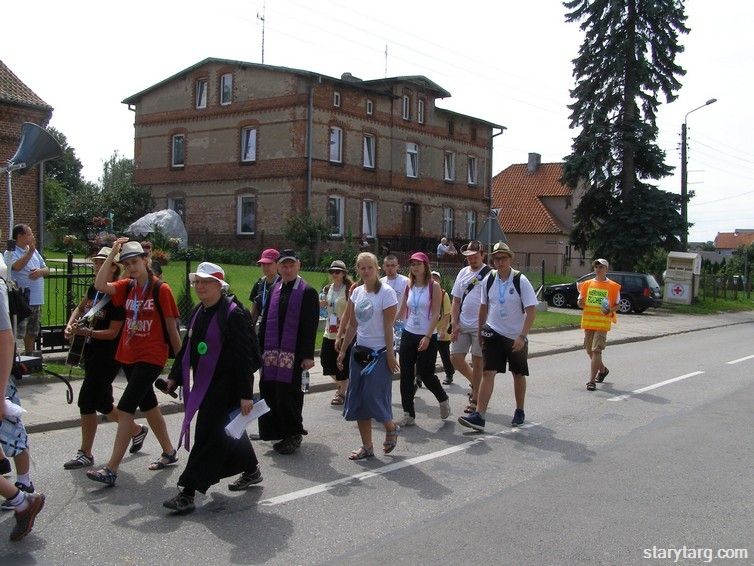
471 218
406 108
449 166
420 111
448 221
336 99
369 159
472 170
226 85
249 144
370 107
369 218
239 214
201 92
336 145
412 160
335 231
174 162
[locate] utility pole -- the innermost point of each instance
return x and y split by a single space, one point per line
262 19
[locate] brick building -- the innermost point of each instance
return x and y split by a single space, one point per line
19 104
236 148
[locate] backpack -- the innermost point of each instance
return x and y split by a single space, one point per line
516 285
18 301
477 278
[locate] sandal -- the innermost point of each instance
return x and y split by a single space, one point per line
362 453
391 439
164 461
601 375
103 475
339 399
591 386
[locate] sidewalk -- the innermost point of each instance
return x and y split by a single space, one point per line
45 403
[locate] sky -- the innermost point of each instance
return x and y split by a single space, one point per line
505 61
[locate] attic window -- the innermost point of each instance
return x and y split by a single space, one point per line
406 111
336 99
370 107
420 111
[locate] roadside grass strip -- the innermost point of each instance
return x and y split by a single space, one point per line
655 386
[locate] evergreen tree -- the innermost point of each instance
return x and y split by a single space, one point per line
626 60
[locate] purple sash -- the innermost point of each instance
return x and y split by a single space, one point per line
279 353
205 370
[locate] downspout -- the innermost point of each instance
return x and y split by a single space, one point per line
309 142
489 187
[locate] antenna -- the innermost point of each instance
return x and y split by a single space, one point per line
262 19
386 60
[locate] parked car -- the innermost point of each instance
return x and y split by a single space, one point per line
638 291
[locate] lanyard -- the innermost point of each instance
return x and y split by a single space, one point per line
502 289
416 298
333 295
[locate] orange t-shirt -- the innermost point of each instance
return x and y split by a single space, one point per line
142 338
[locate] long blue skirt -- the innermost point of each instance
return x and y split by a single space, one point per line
369 396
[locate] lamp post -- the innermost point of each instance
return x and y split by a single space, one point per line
684 175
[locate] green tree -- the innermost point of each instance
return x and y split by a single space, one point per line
120 197
307 232
62 177
626 60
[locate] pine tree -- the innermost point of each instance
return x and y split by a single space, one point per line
626 60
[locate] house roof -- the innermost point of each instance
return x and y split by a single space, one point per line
732 240
518 194
14 91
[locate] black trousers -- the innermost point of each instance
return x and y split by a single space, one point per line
424 362
443 347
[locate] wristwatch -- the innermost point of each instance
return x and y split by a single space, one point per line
525 338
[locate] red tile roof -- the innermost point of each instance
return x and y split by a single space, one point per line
731 240
518 193
13 91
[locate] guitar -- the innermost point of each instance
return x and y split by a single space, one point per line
78 342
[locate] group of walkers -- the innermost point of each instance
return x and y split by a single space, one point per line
374 329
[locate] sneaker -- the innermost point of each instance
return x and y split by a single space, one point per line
448 380
81 460
445 409
25 518
474 420
181 503
5 466
518 417
6 505
137 440
246 480
407 420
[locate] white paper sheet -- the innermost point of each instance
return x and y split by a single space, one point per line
13 410
237 426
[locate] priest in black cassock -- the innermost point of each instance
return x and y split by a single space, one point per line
286 336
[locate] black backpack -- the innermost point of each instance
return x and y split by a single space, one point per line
18 301
516 285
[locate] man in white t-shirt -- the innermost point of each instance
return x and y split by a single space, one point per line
464 318
506 315
29 271
392 278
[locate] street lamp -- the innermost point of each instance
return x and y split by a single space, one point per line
684 175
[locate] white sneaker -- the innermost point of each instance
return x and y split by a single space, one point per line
407 420
445 409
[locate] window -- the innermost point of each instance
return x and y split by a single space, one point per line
450 166
178 157
246 222
411 221
336 99
447 221
412 160
369 218
226 89
335 216
472 177
471 224
248 145
336 144
201 93
406 113
369 151
370 107
420 112
178 205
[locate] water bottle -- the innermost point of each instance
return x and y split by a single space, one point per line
397 332
322 310
605 305
305 381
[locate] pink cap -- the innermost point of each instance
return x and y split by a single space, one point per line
269 255
419 256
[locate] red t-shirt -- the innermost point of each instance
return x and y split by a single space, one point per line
143 339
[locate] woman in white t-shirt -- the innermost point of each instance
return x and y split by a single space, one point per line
370 314
420 309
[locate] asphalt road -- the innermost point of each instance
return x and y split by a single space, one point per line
631 471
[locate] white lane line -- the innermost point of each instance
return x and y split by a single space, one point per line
739 360
315 489
655 386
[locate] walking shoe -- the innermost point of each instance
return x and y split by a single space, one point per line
518 417
25 518
407 420
181 503
601 375
5 466
137 440
448 380
474 420
81 460
246 480
445 409
103 475
288 445
6 505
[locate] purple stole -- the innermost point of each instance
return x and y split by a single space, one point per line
205 370
278 355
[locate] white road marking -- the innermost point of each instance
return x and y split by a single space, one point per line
315 489
655 386
739 360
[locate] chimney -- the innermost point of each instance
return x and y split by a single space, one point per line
535 161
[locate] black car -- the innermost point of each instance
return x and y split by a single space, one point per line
638 291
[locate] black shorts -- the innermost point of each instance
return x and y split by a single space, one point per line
96 393
328 357
497 350
139 392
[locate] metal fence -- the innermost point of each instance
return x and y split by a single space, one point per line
725 287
